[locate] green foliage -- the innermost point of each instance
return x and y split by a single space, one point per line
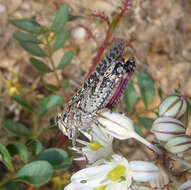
60 19
35 145
5 157
160 93
16 128
32 48
66 59
18 148
35 173
58 158
21 100
51 87
10 185
146 122
25 37
61 38
27 24
40 66
130 96
49 103
147 87
138 130
189 108
39 41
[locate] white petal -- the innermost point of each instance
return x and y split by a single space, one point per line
77 186
117 186
92 176
173 106
116 125
143 171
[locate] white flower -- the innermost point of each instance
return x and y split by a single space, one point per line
121 127
78 186
98 147
173 106
178 144
116 124
166 127
115 174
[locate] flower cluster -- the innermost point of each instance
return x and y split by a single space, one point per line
169 127
107 170
170 130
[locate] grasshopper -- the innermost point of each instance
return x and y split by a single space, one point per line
100 91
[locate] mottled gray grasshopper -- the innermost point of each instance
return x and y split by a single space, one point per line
101 90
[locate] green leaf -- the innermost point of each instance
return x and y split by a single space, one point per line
65 85
27 24
35 173
20 100
5 157
25 37
10 185
58 158
189 107
147 87
73 17
35 146
32 48
160 93
60 19
16 128
49 103
40 66
61 38
146 122
130 96
51 87
18 148
138 130
66 59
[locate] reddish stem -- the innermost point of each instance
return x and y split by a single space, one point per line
110 30
102 16
97 58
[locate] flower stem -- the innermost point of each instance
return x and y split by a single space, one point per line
54 68
147 143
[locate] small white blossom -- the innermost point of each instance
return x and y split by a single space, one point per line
98 147
178 144
173 106
116 124
121 127
115 174
165 128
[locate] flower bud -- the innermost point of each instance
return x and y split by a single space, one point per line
116 124
167 127
178 144
173 106
185 186
143 171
